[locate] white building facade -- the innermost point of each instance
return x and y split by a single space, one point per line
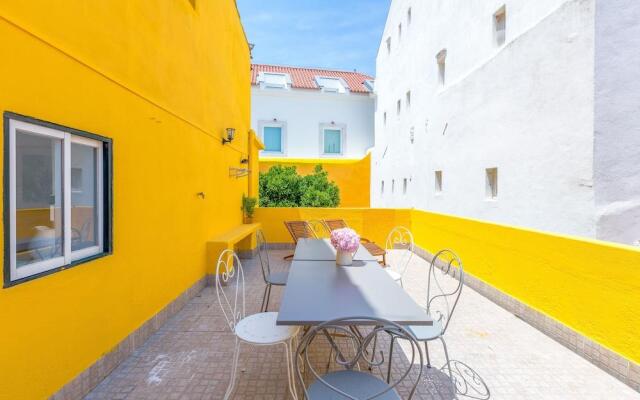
312 113
518 112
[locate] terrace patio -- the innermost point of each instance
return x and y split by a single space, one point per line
190 356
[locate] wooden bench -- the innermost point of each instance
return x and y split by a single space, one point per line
242 237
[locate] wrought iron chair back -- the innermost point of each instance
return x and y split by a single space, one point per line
399 247
334 224
263 254
319 228
300 230
442 300
363 349
230 276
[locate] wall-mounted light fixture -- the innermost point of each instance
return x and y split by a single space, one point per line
244 160
231 132
275 120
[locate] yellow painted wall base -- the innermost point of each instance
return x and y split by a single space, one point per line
353 177
590 286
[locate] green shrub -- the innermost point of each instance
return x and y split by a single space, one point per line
248 205
283 187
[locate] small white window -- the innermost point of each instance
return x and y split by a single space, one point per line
492 183
405 183
409 16
332 139
58 197
500 26
335 85
389 45
408 99
441 58
438 181
393 185
273 136
274 80
398 107
399 31
370 85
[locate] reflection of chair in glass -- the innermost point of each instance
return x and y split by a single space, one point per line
350 382
258 329
270 278
400 251
371 247
299 230
442 297
80 237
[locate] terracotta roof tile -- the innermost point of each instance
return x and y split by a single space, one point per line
304 78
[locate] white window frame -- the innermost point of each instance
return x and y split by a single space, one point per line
441 59
438 186
283 135
343 138
500 21
69 257
342 90
491 183
262 80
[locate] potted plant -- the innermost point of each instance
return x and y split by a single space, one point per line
346 241
248 208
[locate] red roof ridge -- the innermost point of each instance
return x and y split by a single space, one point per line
314 69
304 77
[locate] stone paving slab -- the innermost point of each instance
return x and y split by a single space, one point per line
190 356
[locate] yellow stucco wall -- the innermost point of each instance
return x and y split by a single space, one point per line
353 177
163 81
593 287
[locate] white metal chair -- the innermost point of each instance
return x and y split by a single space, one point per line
270 278
351 382
399 249
257 329
442 298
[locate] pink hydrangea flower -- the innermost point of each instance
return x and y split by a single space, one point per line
345 239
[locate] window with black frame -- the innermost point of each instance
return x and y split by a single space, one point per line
57 196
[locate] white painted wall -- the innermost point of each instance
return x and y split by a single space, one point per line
525 107
617 120
304 111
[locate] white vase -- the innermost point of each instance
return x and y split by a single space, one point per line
344 257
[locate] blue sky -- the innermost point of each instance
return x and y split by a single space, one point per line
337 34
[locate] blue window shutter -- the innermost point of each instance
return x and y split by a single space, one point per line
332 141
272 138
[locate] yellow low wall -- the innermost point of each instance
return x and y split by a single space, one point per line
352 176
590 286
373 224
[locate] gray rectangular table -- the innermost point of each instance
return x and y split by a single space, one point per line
323 250
319 291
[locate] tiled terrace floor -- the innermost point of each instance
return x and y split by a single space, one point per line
189 357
